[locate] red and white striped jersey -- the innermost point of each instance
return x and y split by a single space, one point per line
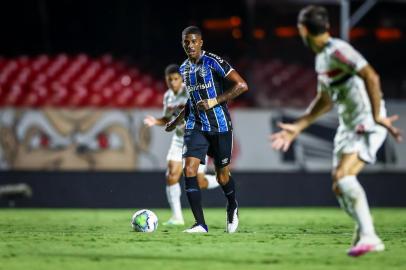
337 66
173 104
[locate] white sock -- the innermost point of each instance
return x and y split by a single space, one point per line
346 206
173 193
211 181
356 204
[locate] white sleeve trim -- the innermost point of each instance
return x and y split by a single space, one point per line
361 64
231 69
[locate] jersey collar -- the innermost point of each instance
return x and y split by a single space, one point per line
200 58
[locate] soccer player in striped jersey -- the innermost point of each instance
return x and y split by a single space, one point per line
208 123
345 79
175 99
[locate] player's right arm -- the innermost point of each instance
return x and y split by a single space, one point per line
283 139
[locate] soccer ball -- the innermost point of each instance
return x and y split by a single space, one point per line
144 221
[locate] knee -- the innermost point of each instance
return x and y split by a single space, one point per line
172 178
337 174
190 170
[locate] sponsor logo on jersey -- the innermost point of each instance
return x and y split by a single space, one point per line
218 58
200 86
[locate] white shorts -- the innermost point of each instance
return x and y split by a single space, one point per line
176 150
366 145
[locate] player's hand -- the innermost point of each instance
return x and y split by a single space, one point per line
283 139
150 121
171 125
387 122
206 104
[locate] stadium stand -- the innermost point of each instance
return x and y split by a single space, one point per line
74 81
81 80
280 84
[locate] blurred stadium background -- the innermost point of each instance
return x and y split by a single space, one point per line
78 77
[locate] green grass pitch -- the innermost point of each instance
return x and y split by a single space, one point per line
269 238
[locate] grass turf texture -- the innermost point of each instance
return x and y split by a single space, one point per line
281 238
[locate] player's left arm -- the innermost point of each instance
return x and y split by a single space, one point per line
238 87
373 86
224 70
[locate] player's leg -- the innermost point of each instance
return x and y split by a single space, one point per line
173 174
206 181
227 184
355 167
173 192
220 149
195 149
194 195
353 200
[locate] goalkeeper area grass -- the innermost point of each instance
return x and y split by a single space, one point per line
268 238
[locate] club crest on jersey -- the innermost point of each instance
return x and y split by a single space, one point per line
203 72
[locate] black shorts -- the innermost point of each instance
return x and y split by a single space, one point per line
198 144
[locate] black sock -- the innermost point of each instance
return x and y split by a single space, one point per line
194 197
229 192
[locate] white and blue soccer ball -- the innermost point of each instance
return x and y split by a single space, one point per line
144 221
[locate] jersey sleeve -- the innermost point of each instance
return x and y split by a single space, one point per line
349 58
165 111
321 85
219 65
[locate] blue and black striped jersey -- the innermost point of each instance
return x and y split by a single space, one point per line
205 79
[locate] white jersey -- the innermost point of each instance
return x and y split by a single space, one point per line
337 66
173 104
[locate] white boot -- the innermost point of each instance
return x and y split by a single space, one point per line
355 199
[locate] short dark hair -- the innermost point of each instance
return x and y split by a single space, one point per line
191 30
171 69
315 18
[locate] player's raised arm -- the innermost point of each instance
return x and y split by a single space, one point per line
373 86
283 139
